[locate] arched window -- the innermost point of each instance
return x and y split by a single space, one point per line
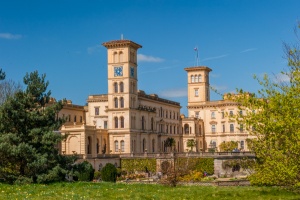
153 145
192 79
122 122
89 145
144 145
231 128
115 57
213 128
196 78
199 78
121 102
143 123
152 124
97 146
116 146
116 122
186 129
121 57
122 146
116 102
115 87
121 87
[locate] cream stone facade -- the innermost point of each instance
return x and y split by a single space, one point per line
126 120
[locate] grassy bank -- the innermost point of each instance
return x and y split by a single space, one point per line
138 191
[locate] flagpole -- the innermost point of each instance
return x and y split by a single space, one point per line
197 59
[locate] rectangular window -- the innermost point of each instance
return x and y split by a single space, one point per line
231 113
223 115
69 118
231 128
80 119
105 124
197 114
242 144
75 119
96 110
196 93
213 115
213 128
223 127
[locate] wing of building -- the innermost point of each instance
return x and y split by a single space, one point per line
127 120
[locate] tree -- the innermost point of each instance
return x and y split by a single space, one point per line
191 143
228 146
28 137
273 118
7 87
169 142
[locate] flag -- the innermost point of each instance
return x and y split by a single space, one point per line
196 49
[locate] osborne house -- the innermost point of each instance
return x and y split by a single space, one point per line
127 120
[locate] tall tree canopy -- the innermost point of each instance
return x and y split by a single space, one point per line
273 117
28 141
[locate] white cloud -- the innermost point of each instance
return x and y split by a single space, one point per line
10 36
215 57
219 87
145 58
281 78
92 49
247 50
176 92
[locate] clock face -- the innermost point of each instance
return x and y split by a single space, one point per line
119 71
132 71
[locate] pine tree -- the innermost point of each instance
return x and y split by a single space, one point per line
28 137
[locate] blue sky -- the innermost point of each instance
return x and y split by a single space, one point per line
235 38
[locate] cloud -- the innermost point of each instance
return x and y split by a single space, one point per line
145 58
247 50
155 70
281 78
10 36
219 88
92 49
176 92
215 57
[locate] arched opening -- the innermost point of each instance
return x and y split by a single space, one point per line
97 146
153 145
89 145
122 122
115 87
121 56
143 123
116 122
144 145
116 102
116 146
192 79
115 57
121 87
186 129
152 124
122 102
122 146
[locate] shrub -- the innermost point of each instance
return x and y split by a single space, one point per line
84 171
109 173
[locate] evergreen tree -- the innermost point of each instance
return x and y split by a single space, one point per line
28 137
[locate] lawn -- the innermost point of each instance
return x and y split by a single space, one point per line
81 190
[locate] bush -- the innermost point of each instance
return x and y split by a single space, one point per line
97 175
109 173
84 171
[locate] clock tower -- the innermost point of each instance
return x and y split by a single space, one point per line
122 88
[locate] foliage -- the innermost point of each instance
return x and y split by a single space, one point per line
272 116
198 164
7 89
246 164
84 171
2 74
138 164
104 190
170 142
228 146
28 141
191 143
109 173
97 175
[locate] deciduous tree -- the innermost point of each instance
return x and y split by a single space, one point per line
273 117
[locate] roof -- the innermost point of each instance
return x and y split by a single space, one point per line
121 43
197 68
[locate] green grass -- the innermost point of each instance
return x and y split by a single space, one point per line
81 190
